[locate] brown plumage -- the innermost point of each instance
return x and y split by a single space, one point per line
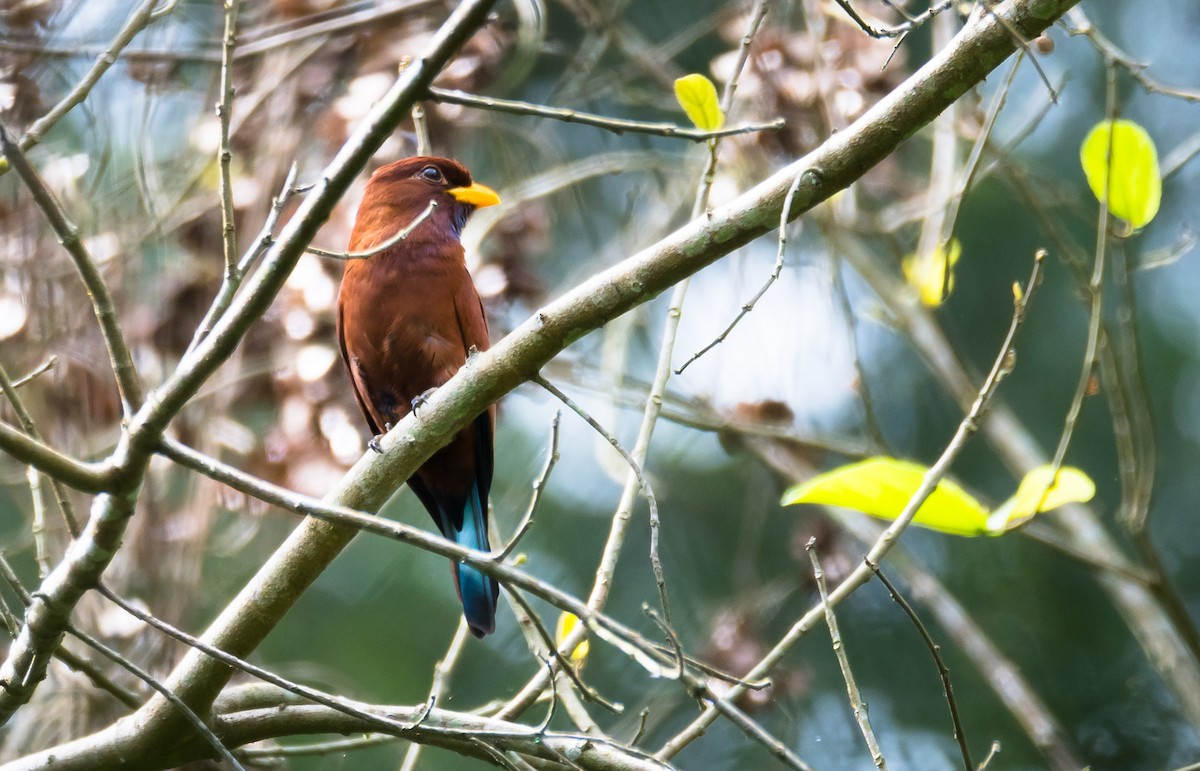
407 320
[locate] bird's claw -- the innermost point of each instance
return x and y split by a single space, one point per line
374 443
419 400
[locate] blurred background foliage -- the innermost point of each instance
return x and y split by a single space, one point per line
819 373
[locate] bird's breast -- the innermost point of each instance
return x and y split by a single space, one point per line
400 319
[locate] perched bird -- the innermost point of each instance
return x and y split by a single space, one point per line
408 318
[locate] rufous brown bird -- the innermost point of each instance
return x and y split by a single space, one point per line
408 319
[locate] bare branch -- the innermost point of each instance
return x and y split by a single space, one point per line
49 614
87 477
488 376
384 245
615 125
102 302
224 153
862 573
900 30
142 16
839 650
935 651
539 485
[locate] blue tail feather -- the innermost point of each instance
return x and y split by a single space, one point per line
477 590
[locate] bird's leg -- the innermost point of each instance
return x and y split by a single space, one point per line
374 443
420 399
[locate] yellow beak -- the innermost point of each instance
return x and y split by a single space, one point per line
476 195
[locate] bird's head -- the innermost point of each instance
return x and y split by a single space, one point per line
404 188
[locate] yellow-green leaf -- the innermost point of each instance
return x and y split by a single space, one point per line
927 273
882 487
567 623
1135 188
698 97
1036 494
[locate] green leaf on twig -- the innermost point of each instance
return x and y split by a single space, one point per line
698 97
1135 189
883 486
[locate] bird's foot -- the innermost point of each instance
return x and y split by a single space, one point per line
420 399
374 443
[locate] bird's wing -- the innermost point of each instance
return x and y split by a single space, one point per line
355 372
472 325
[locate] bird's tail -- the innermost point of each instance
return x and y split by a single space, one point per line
477 591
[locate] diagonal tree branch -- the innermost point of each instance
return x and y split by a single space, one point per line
47 617
87 477
836 164
102 301
978 49
141 17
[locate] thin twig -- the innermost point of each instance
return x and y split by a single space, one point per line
935 651
1023 45
646 653
10 576
539 485
441 676
861 574
634 466
47 364
25 420
605 570
748 306
1095 307
38 527
1078 23
615 125
332 701
224 153
562 659
384 245
137 21
496 755
839 650
911 22
167 693
102 302
971 166
231 282
1004 677
537 646
76 662
651 501
992 753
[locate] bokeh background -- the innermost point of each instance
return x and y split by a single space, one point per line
821 372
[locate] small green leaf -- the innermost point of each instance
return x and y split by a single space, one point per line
927 273
1035 495
882 487
698 97
1135 189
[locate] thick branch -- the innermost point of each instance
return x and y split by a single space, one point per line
835 165
455 731
85 561
491 374
87 477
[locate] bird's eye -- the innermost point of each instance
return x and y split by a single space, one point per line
431 173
